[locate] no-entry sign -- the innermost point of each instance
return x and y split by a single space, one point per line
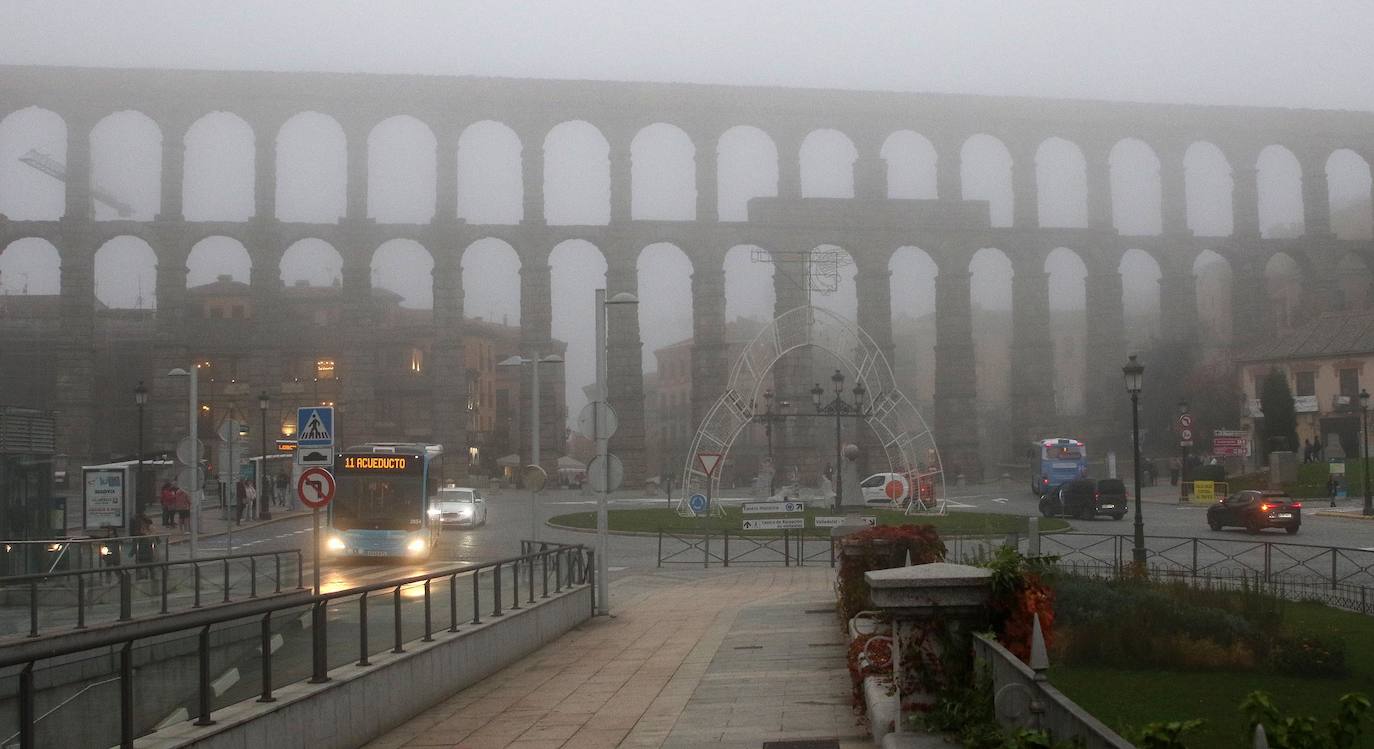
315 487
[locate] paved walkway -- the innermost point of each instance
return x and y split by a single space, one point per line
722 659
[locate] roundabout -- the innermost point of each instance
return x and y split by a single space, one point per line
655 519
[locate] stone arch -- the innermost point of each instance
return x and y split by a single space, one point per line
1214 278
216 257
912 290
1061 180
662 174
749 291
491 187
1140 274
1285 280
1137 196
405 268
747 167
907 442
491 281
911 170
25 193
126 273
402 171
1209 187
827 164
312 169
577 267
126 162
1348 189
219 169
1280 192
1069 328
577 176
1353 281
312 261
30 265
665 276
985 171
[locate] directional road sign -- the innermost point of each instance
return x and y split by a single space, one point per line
315 487
774 524
597 419
708 462
315 426
697 503
596 474
834 521
755 508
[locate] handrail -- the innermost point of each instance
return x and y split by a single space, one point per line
6 742
579 569
40 576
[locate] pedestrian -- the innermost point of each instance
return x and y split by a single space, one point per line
1332 486
250 493
1318 449
240 499
1307 451
183 508
1174 467
282 484
168 499
144 546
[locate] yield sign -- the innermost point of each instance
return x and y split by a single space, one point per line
708 462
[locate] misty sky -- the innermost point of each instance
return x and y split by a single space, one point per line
1294 54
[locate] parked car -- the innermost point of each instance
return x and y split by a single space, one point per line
460 506
1086 499
1256 510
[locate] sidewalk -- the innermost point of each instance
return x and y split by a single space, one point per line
719 659
213 524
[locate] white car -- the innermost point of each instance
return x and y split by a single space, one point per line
460 506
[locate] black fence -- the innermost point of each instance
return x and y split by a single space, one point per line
787 548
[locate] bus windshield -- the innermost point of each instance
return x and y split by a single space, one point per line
1062 452
376 502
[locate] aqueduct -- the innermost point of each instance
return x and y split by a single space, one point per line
870 226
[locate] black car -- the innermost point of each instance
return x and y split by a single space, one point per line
1256 510
1086 499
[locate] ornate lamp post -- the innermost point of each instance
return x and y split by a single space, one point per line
1134 373
840 409
1364 440
264 506
767 418
140 399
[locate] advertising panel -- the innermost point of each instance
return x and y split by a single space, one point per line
104 497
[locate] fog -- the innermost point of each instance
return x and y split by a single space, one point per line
1294 54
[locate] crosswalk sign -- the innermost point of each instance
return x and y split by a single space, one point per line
315 426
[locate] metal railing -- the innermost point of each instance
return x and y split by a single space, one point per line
787 548
31 557
85 589
551 571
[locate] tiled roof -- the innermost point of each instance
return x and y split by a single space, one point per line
1330 335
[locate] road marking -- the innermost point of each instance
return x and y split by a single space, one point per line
177 716
229 679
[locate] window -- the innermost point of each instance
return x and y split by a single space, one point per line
1350 382
1305 383
324 369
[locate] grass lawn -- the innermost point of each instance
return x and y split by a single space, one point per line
650 520
1135 698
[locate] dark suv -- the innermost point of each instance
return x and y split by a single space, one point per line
1256 510
1086 499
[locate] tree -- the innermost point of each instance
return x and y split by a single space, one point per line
1280 414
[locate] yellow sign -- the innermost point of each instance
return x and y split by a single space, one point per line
379 463
1205 491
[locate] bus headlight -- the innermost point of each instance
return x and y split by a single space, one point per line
335 544
433 512
416 546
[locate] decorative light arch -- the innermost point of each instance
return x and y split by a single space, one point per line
906 441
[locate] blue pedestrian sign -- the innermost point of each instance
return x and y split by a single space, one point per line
697 503
315 427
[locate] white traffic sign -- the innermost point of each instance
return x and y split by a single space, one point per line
315 487
697 503
834 521
708 462
1185 443
1185 435
315 426
774 524
596 474
755 508
1185 421
315 456
186 453
597 419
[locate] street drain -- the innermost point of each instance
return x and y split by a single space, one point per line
748 647
819 611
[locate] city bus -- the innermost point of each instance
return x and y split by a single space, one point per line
1057 460
383 501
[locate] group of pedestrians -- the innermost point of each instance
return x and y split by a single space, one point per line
1313 451
176 506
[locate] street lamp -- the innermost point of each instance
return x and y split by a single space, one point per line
140 399
1183 456
264 506
520 361
193 447
1134 372
603 304
767 418
840 409
1364 439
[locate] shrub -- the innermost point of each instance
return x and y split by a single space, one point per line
880 548
1306 655
1020 593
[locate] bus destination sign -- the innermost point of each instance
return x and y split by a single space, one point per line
397 463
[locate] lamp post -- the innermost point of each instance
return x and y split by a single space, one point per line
194 449
767 418
840 409
264 506
140 399
1364 440
602 453
520 361
1134 373
1183 455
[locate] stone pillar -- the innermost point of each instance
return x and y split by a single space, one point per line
622 176
708 178
1245 200
265 247
874 287
1178 303
78 181
173 171
956 374
870 174
1104 347
446 188
1032 350
532 176
1173 191
624 362
74 377
167 401
265 168
789 164
1098 168
949 180
356 138
356 366
797 442
536 326
1316 198
1250 318
446 367
1024 188
710 366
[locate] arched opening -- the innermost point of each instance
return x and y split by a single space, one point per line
30 266
401 171
1061 180
1068 329
1140 274
911 162
1207 176
126 274
405 268
1280 193
27 194
312 169
749 291
1348 184
126 163
577 269
832 279
985 171
747 168
912 287
491 281
1136 196
1352 284
1283 282
577 178
311 262
219 168
827 165
1214 278
217 258
663 174
990 283
491 185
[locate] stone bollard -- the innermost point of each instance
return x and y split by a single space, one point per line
934 607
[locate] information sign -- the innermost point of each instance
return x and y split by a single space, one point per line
834 521
104 497
774 524
1205 491
315 426
755 508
